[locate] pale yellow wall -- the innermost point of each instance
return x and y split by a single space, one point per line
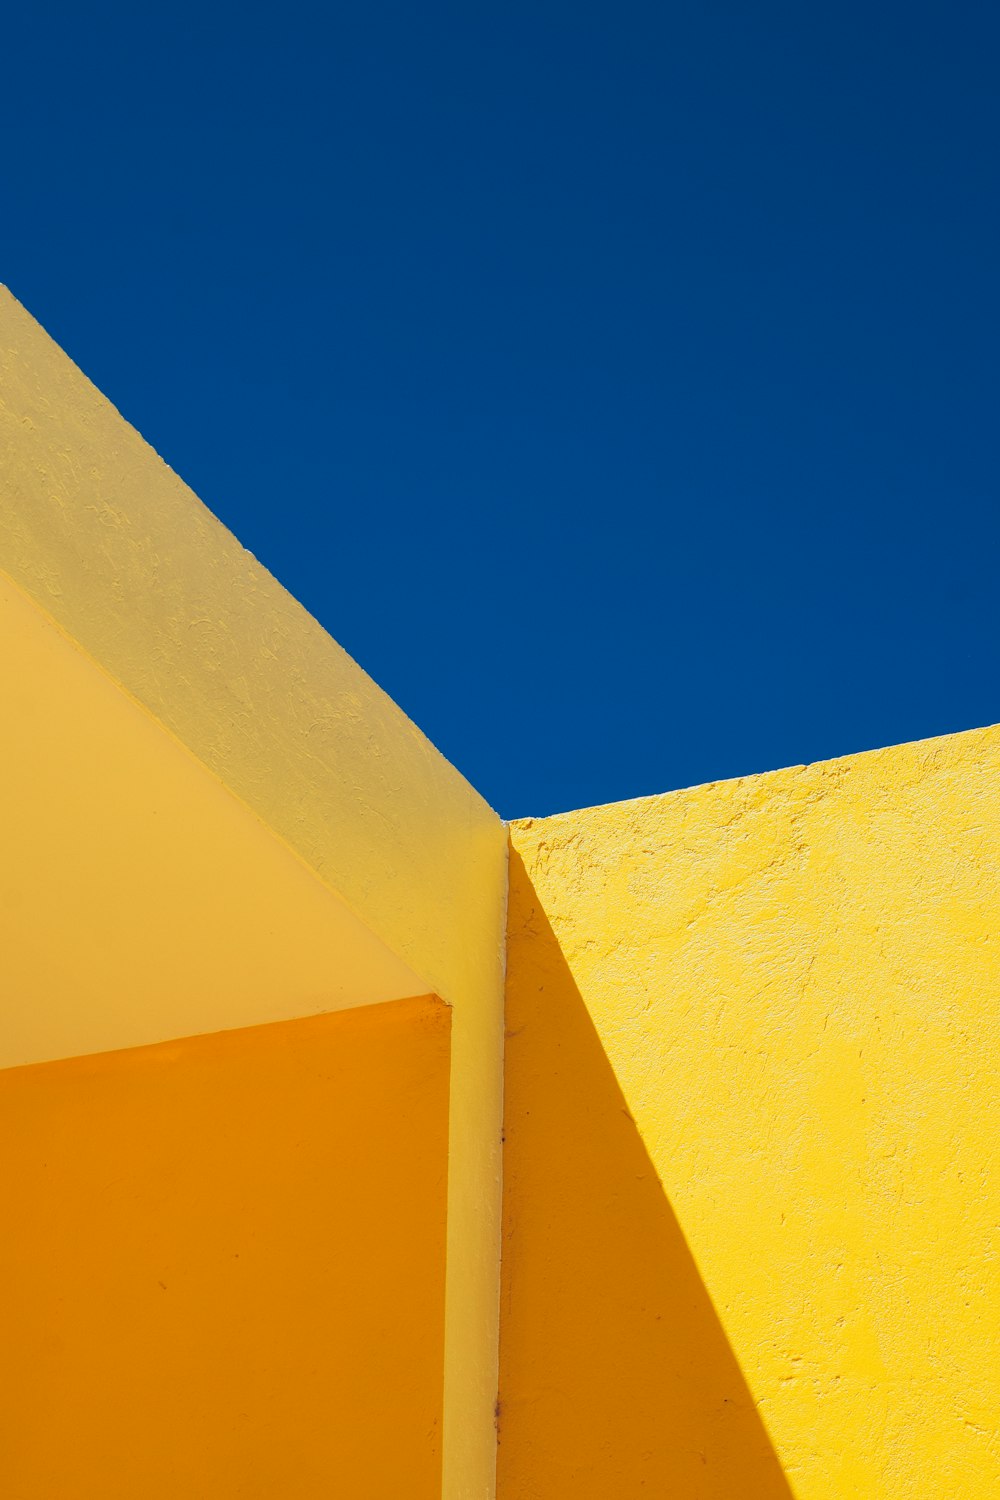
222 1265
139 899
104 537
791 985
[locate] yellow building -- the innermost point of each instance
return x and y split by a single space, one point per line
290 1212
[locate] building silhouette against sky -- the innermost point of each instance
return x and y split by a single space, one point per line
358 1143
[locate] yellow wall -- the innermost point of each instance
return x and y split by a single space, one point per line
222 1266
139 899
752 1197
105 538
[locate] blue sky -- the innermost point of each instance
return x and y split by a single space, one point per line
618 384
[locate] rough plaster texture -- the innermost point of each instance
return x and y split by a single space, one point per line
778 998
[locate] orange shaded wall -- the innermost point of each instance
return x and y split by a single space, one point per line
616 1377
222 1271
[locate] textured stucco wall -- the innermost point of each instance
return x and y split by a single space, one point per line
752 1188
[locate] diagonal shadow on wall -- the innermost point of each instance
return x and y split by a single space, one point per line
616 1377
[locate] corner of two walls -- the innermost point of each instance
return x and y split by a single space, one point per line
750 1193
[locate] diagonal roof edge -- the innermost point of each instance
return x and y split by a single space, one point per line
106 537
122 555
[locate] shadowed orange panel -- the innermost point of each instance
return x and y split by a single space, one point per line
616 1378
228 1267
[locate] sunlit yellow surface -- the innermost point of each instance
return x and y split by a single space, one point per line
222 1266
783 1275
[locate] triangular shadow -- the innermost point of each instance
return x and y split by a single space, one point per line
616 1376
